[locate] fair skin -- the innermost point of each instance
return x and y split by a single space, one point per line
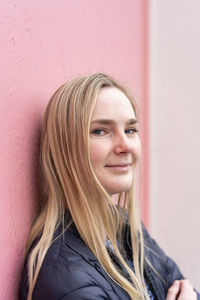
114 151
114 142
181 290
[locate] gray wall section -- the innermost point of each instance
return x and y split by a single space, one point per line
174 132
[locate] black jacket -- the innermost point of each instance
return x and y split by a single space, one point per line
70 271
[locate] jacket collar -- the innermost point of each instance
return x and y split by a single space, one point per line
73 240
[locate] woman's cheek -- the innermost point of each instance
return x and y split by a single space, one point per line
137 149
96 153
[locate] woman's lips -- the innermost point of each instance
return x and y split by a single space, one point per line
119 167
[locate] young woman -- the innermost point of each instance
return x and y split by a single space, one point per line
83 246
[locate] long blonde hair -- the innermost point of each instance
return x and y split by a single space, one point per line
70 185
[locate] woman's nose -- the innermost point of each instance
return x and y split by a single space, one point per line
122 144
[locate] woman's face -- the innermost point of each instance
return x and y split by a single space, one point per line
114 142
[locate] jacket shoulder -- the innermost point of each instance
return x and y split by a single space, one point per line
163 264
68 272
73 281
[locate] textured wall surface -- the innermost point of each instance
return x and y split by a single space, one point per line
174 131
44 43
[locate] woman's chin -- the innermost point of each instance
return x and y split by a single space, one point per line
117 189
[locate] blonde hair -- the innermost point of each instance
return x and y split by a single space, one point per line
70 185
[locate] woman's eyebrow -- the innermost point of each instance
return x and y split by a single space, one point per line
103 121
132 121
110 121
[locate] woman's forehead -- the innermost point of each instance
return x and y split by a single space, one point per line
112 103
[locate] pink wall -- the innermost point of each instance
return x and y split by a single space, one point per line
43 43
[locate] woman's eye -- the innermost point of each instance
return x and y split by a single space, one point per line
131 130
98 132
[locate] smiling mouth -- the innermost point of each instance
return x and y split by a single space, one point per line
120 167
